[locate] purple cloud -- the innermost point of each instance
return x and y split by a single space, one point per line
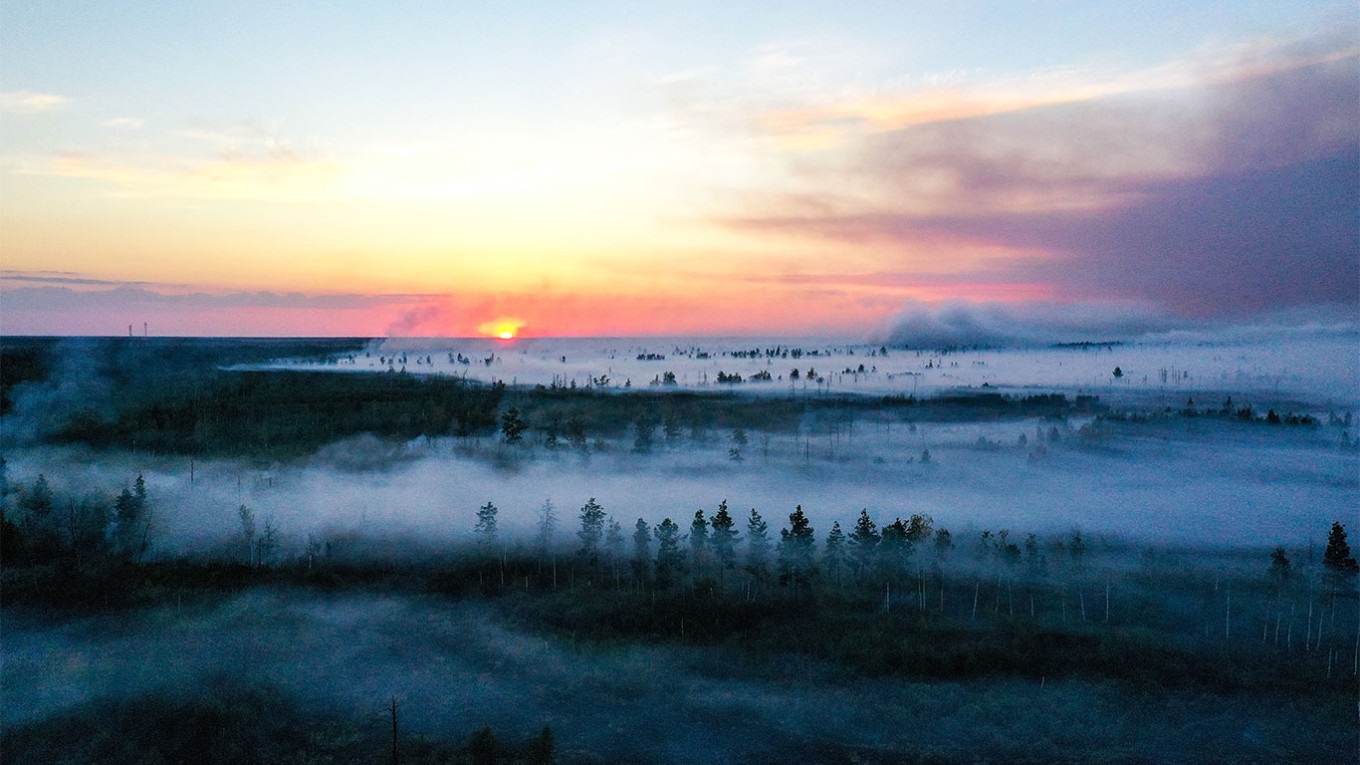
1234 197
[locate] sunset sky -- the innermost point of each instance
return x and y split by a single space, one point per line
376 169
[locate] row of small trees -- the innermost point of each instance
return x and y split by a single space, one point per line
664 553
717 545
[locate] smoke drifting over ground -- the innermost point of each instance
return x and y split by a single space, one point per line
962 324
1174 465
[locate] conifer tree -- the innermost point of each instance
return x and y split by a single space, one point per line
1339 566
592 529
642 550
833 557
723 539
613 538
698 542
1280 567
669 559
757 544
543 748
125 517
512 427
894 548
863 544
796 546
485 529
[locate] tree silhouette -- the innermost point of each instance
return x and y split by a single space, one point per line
592 529
723 539
796 547
642 550
698 542
485 528
894 548
918 528
834 556
863 543
1340 567
669 559
757 544
543 748
1280 568
512 426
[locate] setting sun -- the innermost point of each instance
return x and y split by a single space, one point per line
503 327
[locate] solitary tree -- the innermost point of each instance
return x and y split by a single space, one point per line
613 544
512 426
723 539
698 542
833 557
543 748
669 559
126 514
1340 567
485 529
894 548
863 543
757 544
592 529
918 528
1280 568
642 550
796 545
645 428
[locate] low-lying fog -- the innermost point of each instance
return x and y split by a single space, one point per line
456 668
1313 363
1177 481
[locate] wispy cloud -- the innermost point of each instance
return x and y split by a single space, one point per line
277 176
29 102
63 277
1210 189
948 97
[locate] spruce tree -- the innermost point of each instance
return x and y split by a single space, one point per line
894 548
1340 567
757 544
833 557
642 550
796 546
669 559
543 748
863 544
1280 567
485 529
592 529
512 427
698 542
723 538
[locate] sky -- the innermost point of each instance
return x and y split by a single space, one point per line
608 169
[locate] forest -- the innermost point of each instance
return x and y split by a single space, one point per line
594 633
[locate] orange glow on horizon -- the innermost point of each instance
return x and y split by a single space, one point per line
502 328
